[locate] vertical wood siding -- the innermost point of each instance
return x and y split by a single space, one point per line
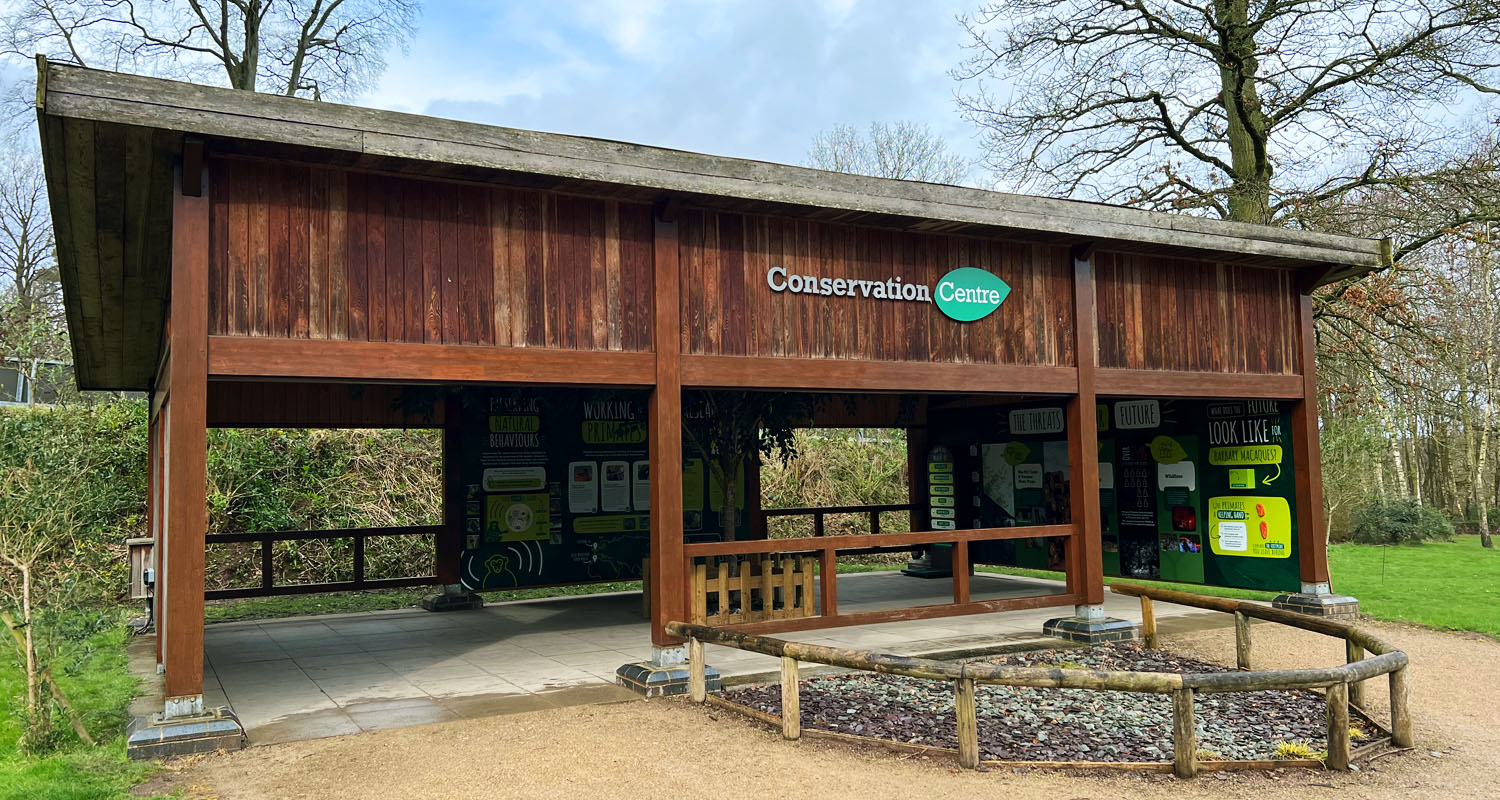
1198 316
311 252
729 310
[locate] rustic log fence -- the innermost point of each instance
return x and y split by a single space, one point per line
1339 683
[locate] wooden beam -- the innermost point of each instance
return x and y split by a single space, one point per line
325 359
186 440
669 601
1307 459
1114 382
807 544
902 614
192 166
1085 551
448 545
830 374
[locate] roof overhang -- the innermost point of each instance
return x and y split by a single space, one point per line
110 140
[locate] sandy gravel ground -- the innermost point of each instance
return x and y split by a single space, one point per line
673 749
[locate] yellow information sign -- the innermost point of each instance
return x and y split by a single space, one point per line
517 517
1251 527
1240 455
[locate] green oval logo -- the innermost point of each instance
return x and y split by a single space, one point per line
969 293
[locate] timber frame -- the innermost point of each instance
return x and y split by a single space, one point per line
213 241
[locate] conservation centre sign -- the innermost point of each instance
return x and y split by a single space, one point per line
966 294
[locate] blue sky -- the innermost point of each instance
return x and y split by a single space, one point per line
750 78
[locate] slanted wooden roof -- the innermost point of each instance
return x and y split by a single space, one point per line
109 141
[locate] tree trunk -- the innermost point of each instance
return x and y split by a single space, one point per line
1247 127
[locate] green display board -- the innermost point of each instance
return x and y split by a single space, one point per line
1205 493
1190 491
557 488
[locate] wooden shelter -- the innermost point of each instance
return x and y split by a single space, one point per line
239 256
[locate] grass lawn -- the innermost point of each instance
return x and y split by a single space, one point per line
96 680
1450 585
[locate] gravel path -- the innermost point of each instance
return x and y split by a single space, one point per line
1022 724
672 749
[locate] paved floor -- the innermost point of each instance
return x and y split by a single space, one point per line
320 676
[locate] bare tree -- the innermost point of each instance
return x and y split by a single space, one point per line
27 263
1254 110
905 150
316 48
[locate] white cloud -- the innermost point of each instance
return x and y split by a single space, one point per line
753 78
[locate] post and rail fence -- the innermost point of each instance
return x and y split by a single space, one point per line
1339 683
826 550
267 586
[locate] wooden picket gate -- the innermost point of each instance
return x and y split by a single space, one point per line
753 588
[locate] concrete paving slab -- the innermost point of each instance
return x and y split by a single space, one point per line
344 673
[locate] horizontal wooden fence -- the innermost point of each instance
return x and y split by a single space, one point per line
820 514
1338 682
827 549
267 586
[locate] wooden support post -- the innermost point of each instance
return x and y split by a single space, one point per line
267 564
1307 464
1086 547
1184 735
359 558
154 517
447 550
791 703
828 591
697 672
1148 622
1241 641
916 479
964 707
960 572
669 583
1401 735
185 439
1354 653
1338 726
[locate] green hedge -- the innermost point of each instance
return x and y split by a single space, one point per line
1399 521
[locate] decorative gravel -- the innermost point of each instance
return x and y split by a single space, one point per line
1022 724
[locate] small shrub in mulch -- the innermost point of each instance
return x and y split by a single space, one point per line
1021 724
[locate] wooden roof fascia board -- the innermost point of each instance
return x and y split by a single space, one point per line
221 112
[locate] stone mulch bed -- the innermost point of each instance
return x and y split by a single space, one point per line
1022 724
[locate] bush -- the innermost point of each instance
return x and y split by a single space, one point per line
1399 521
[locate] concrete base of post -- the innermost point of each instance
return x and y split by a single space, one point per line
160 736
664 675
1318 600
1089 625
452 598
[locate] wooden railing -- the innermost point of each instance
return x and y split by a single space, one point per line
1340 682
267 540
819 513
828 548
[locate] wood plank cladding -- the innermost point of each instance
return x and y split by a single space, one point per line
309 252
1158 313
728 308
264 404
